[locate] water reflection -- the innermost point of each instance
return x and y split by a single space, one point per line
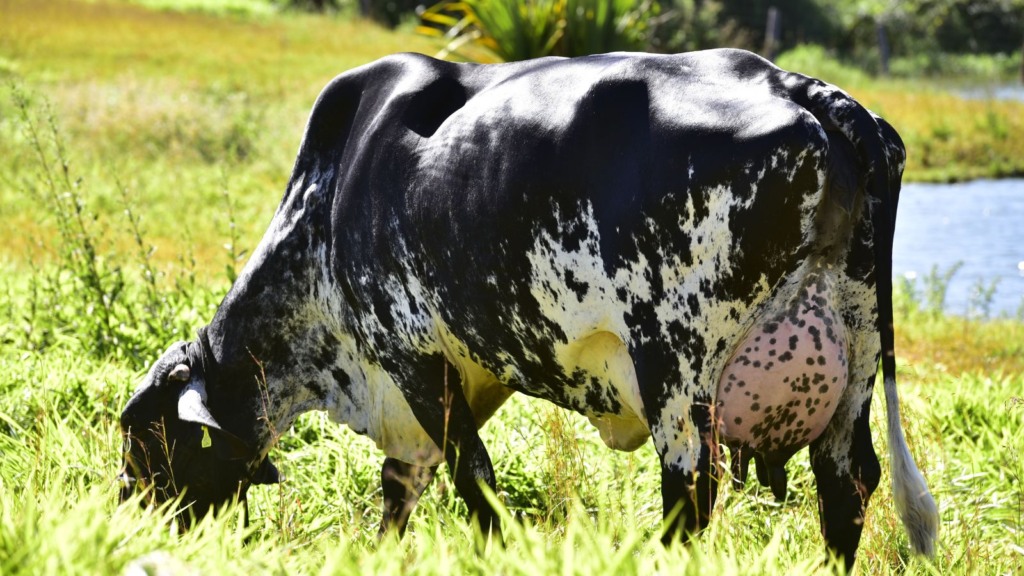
1003 92
979 224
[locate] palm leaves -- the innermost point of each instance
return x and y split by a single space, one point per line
513 30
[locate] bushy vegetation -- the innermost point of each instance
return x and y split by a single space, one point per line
929 27
1001 67
142 152
966 39
933 38
914 27
521 30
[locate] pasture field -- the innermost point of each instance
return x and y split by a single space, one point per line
142 153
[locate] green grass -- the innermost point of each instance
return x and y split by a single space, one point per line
241 8
587 509
190 122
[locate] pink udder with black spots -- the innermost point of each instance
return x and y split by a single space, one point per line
782 384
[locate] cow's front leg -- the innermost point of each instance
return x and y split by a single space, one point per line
442 410
402 485
469 464
846 471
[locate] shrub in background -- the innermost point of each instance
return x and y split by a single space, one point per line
311 5
389 13
684 25
597 26
512 30
814 60
509 30
117 300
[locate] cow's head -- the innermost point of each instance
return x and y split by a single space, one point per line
188 431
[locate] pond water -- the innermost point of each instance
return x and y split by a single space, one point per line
979 224
1003 92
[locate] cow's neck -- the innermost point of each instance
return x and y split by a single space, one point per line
281 321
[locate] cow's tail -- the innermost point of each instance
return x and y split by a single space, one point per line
881 155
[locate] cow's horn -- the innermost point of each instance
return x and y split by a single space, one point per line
192 406
180 373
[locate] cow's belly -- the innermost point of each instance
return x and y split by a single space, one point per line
398 433
597 380
783 382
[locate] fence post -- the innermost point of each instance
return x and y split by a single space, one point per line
771 33
883 46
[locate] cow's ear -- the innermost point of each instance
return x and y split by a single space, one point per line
267 473
192 408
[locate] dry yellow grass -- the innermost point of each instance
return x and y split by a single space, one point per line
951 138
287 54
178 107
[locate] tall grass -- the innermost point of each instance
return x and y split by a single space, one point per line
95 283
89 298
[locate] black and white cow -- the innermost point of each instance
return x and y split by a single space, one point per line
691 249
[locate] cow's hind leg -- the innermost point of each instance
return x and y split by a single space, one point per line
847 472
402 485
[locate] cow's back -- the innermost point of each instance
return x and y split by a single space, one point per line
546 223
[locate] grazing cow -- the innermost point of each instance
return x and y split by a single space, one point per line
692 249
